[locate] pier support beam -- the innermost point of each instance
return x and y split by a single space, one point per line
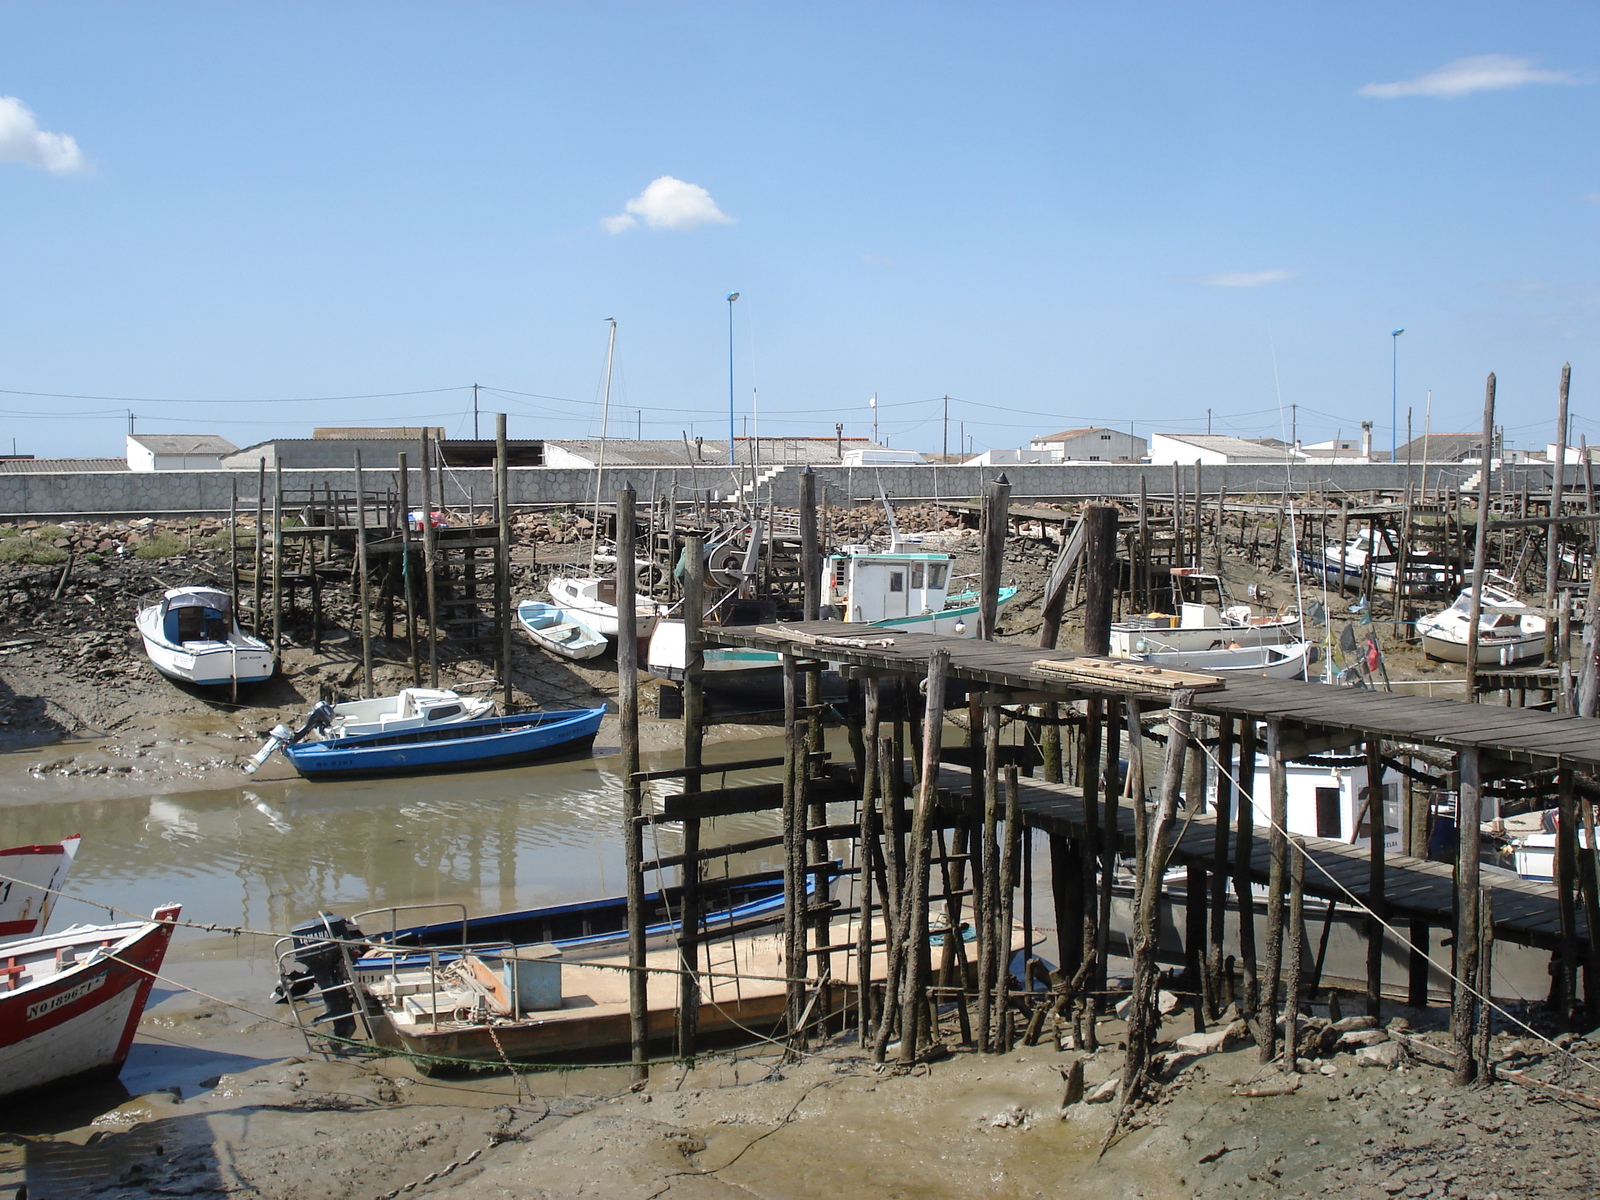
1463 1007
632 786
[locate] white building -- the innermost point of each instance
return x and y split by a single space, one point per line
1097 444
177 451
1010 458
1214 450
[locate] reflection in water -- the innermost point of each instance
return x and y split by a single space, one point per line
272 855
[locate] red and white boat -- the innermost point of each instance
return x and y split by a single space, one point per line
30 879
71 1001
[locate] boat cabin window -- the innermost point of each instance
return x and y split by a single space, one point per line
916 577
443 711
897 581
935 575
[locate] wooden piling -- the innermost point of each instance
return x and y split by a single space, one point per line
1377 905
1001 1025
632 785
408 574
1294 949
430 539
690 915
502 594
868 855
988 876
1244 841
1099 573
364 575
915 893
257 617
1469 812
995 510
277 565
1219 864
1277 886
1481 543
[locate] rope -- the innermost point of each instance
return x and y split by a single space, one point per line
1360 906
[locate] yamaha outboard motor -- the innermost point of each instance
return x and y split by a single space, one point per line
318 953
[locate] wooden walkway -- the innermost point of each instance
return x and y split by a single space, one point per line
1513 740
1524 912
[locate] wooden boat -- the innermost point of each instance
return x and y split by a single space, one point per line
74 1001
1507 632
192 635
593 600
558 631
453 745
1287 661
30 878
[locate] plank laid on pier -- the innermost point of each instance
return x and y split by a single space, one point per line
1526 736
1525 912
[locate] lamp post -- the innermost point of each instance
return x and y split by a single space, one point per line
732 296
1394 394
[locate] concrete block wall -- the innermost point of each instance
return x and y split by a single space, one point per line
125 495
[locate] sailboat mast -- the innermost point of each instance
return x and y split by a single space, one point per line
600 463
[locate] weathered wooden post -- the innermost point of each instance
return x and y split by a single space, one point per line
258 618
408 571
694 657
1377 905
914 894
1099 572
995 517
1295 951
1469 811
430 538
277 564
502 595
868 854
1566 883
1243 849
364 572
1004 918
1218 909
632 785
1552 549
1480 549
1277 885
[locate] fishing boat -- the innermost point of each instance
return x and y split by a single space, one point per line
1508 632
1346 565
321 749
1286 661
74 1001
901 588
592 600
1205 620
30 879
558 631
408 709
191 634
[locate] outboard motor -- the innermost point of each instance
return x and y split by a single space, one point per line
320 717
317 952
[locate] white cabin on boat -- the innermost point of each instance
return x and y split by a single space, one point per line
869 586
1328 801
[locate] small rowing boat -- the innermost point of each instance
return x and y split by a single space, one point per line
192 635
559 631
74 1001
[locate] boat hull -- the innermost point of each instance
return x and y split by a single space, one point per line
538 620
578 597
36 874
1491 652
79 1022
463 746
205 664
1270 662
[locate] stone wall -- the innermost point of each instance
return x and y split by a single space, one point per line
185 493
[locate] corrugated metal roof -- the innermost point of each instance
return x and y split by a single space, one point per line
183 443
60 466
1234 448
624 452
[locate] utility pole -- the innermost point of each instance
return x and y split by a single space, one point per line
638 428
874 405
1208 422
945 449
130 422
474 412
1294 426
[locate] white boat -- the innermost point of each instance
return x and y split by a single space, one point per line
1208 622
1346 565
411 708
30 879
558 631
1286 661
192 635
74 1001
894 589
593 601
1507 632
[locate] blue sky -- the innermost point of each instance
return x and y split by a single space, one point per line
1054 214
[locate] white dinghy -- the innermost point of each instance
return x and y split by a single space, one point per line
559 631
192 635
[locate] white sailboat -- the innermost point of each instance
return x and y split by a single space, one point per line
591 598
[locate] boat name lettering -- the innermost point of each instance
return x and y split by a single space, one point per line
62 999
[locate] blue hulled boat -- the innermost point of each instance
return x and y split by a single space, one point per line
449 746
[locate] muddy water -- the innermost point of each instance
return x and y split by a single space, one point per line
264 856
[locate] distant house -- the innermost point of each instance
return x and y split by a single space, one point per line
1215 449
177 451
335 449
1096 444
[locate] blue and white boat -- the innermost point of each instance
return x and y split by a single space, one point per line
192 635
559 631
451 745
894 589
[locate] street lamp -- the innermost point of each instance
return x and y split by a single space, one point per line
732 296
1394 394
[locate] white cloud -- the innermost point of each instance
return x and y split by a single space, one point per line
21 140
1245 279
668 203
1481 73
